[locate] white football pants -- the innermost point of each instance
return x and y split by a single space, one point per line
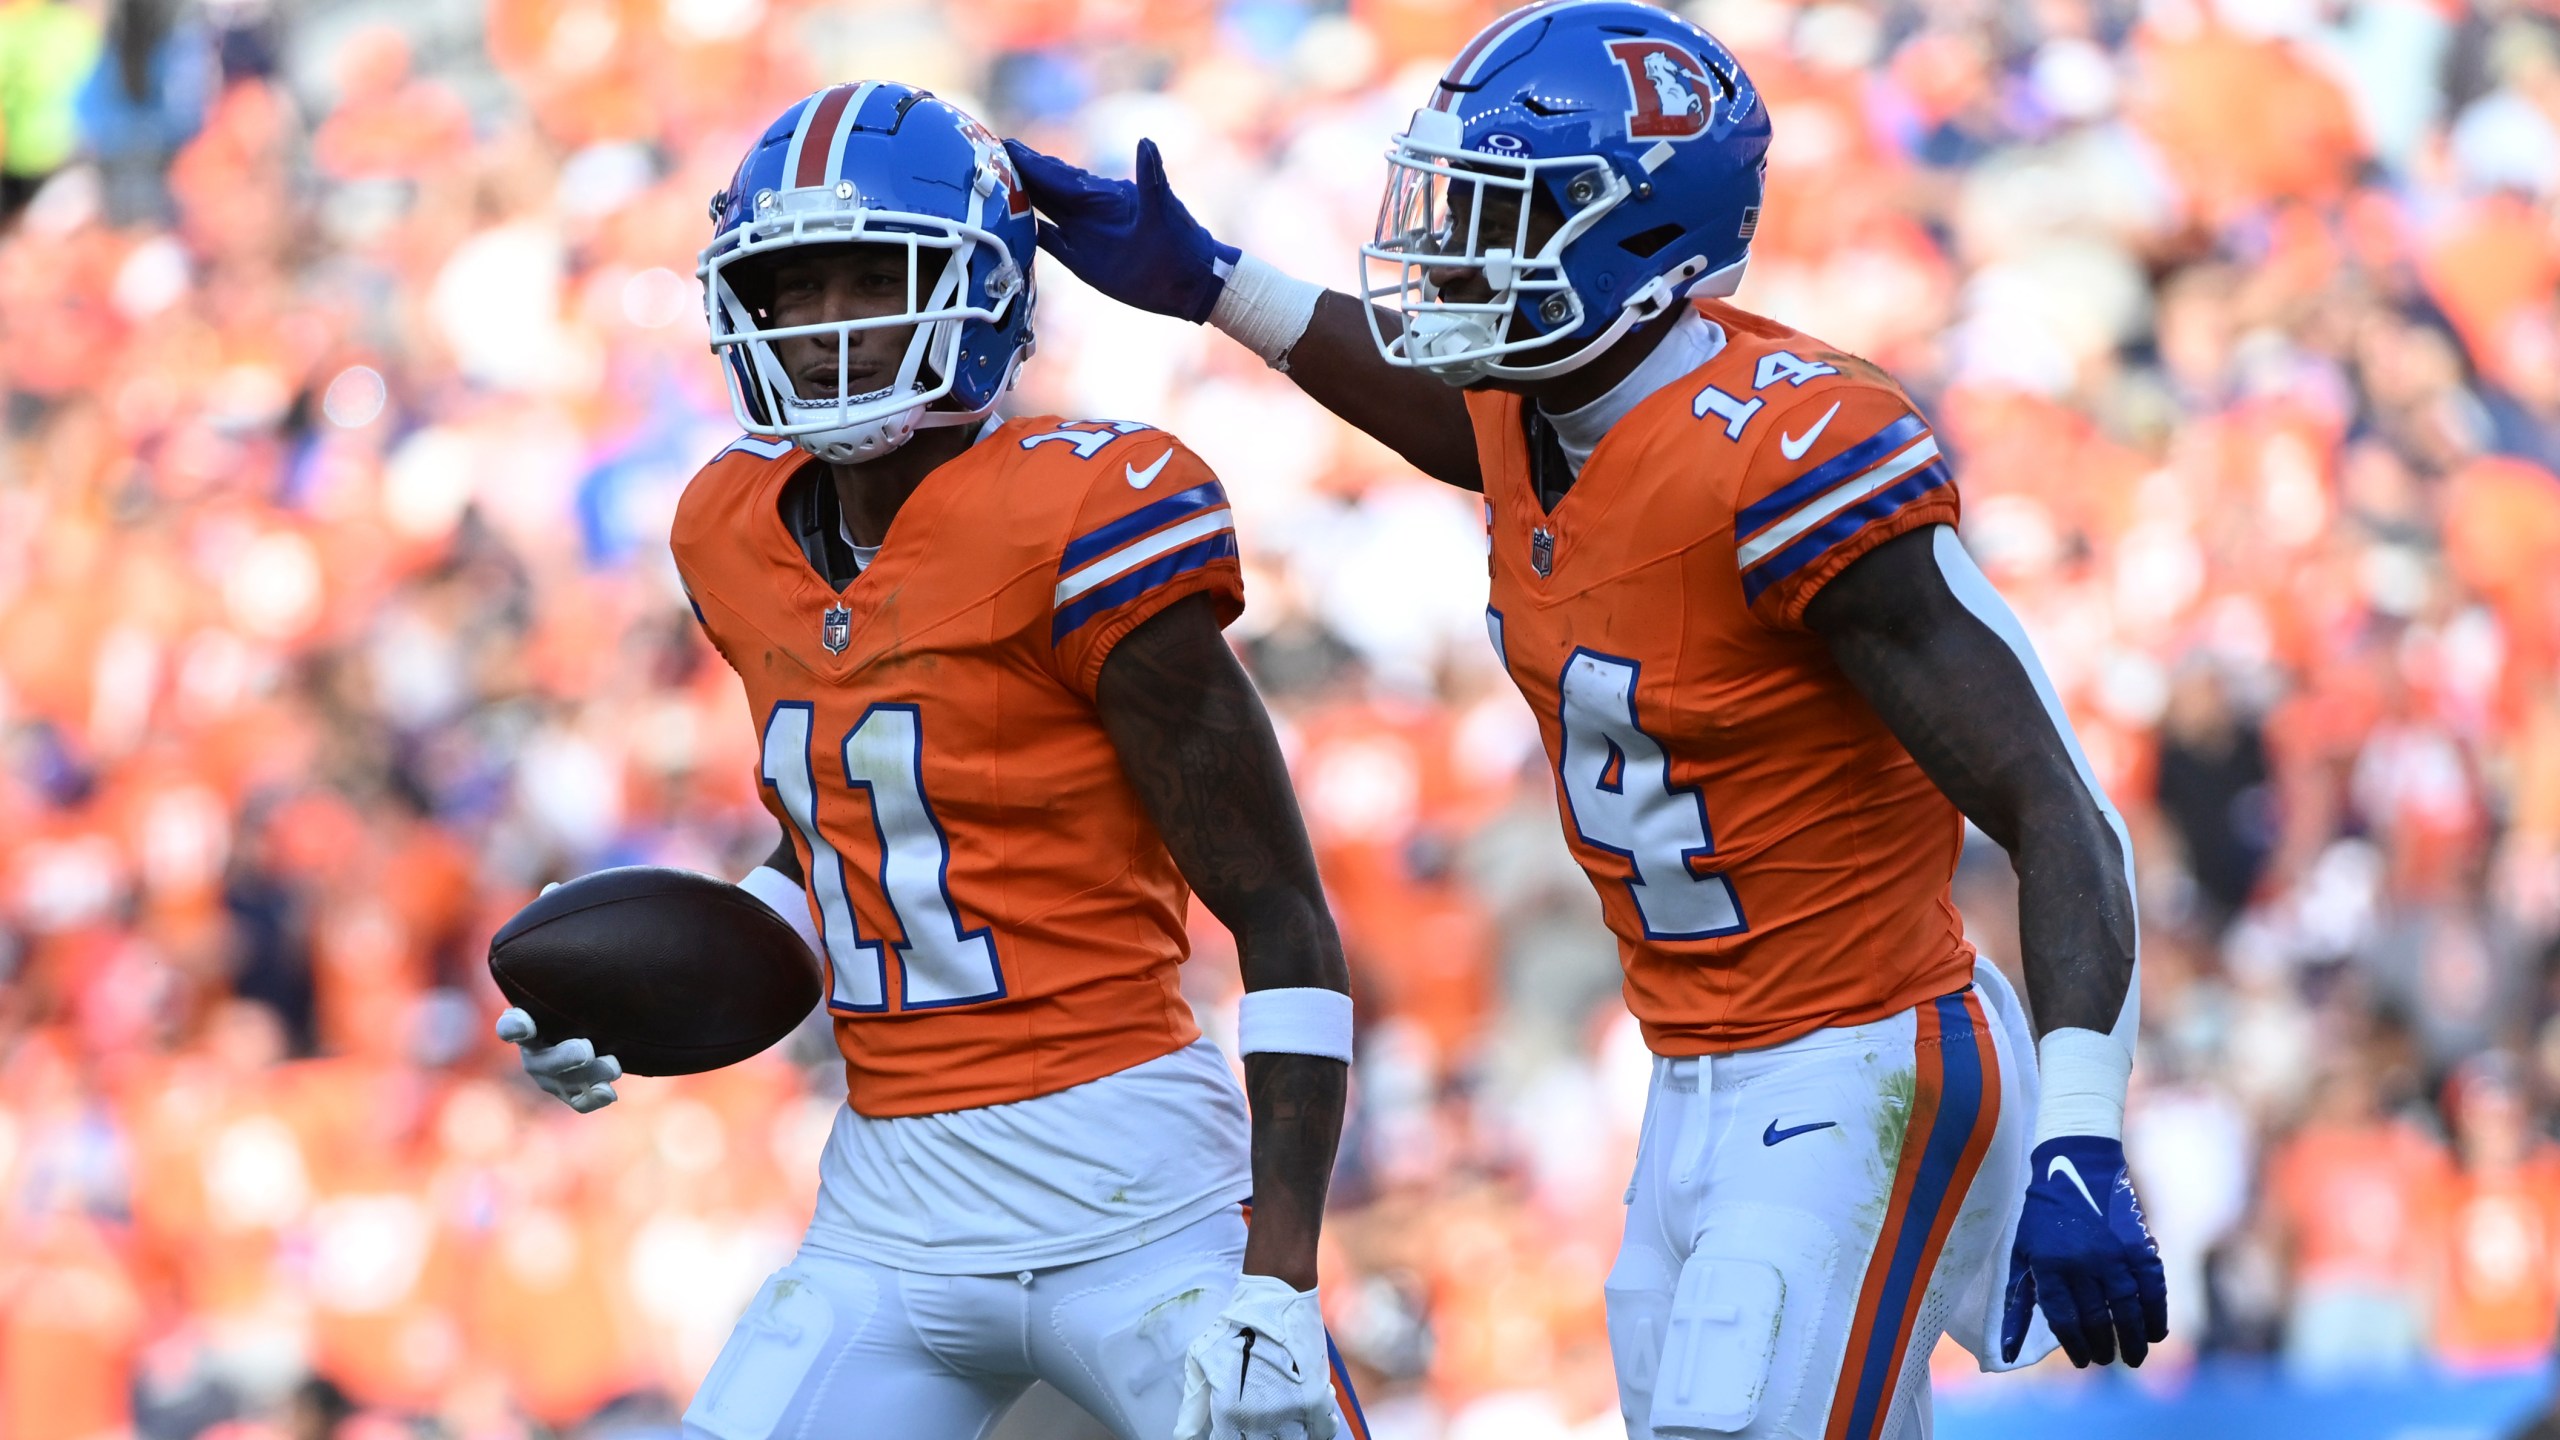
1806 1220
838 1348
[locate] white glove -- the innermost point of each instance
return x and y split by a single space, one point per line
570 1070
1261 1371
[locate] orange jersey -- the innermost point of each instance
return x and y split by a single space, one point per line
1770 857
1000 914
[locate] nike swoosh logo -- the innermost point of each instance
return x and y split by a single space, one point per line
2063 1167
1141 479
1773 1134
1793 448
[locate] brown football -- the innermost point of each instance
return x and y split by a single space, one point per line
667 971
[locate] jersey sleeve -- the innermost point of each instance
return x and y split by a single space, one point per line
1834 475
698 545
1154 527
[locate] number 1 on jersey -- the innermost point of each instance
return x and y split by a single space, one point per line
1617 784
941 963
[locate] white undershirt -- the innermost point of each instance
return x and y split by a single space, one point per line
1058 1179
1694 340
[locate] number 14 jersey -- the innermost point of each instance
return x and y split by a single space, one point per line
1002 920
1770 857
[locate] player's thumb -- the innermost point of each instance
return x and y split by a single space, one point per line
2151 1285
515 1026
1154 186
2019 1311
1191 1422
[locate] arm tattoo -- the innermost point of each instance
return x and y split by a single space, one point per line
1198 747
1959 700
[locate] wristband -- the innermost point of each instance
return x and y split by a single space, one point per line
1265 308
784 897
1300 1020
2083 1081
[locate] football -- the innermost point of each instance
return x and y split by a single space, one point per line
669 972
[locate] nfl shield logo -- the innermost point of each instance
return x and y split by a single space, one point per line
1542 552
839 629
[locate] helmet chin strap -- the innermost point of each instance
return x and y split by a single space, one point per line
854 444
871 439
1460 333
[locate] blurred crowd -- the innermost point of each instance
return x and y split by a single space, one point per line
350 364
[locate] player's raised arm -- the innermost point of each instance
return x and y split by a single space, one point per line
1133 241
1193 736
1944 661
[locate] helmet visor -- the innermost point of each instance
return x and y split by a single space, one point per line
1469 241
930 265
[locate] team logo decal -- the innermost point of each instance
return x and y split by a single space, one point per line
1667 89
836 629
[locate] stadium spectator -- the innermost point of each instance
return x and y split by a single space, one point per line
349 372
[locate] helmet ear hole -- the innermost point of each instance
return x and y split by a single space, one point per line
1645 244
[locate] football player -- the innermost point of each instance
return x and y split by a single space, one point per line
1004 738
1773 687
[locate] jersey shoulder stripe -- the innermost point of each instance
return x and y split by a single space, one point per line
1154 577
1140 552
1830 472
1103 539
1810 533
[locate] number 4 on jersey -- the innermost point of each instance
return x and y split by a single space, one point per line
1617 784
941 963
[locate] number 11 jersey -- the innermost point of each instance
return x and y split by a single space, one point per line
1002 920
1770 857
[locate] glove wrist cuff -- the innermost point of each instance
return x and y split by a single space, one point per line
1264 308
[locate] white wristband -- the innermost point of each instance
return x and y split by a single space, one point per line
2082 1084
1265 308
1301 1020
785 898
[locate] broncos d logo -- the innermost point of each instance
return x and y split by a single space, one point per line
1670 86
1666 89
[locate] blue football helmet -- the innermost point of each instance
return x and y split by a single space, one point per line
876 163
1639 133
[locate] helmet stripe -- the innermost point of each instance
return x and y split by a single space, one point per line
846 124
807 164
799 137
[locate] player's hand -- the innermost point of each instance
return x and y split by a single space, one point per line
1130 239
2085 1256
571 1070
1261 1371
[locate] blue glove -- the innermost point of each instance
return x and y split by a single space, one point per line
2083 1254
1129 239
